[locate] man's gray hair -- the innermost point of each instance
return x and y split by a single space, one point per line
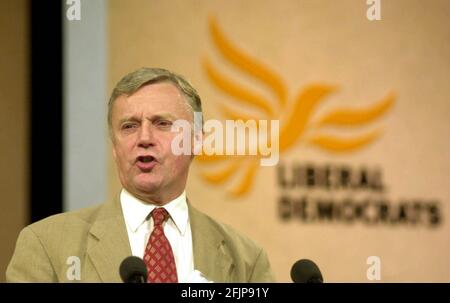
144 76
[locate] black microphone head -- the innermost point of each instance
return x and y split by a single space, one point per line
133 270
306 271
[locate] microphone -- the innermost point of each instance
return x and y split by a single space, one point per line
133 270
306 271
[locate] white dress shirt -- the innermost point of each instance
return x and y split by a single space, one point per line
177 230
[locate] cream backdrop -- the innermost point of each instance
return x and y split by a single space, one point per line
322 43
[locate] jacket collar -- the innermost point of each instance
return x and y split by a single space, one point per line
211 254
108 244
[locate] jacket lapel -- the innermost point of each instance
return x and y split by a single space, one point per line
108 242
211 255
108 245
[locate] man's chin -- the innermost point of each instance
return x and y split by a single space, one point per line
146 186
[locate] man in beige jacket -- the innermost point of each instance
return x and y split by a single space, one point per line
89 245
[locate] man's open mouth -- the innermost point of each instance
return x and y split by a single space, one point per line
145 159
145 163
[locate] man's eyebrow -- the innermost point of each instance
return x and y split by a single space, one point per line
152 118
163 116
129 119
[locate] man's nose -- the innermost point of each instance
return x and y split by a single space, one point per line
146 138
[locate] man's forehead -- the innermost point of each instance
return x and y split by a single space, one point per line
167 96
163 93
165 88
160 99
148 109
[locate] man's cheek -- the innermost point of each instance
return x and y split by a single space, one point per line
181 162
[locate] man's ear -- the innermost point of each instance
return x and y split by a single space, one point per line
114 151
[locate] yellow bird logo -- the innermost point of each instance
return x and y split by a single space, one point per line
296 124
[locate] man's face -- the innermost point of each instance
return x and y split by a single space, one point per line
141 129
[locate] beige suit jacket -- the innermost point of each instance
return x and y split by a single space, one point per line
98 237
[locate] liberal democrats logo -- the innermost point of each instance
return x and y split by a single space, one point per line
295 114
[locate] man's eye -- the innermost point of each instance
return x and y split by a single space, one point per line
164 123
128 126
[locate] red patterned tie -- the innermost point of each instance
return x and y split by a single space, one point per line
158 253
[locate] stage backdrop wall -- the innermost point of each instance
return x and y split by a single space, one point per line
14 125
364 114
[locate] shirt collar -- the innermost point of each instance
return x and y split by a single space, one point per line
135 211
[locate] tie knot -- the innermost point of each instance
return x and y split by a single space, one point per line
159 215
